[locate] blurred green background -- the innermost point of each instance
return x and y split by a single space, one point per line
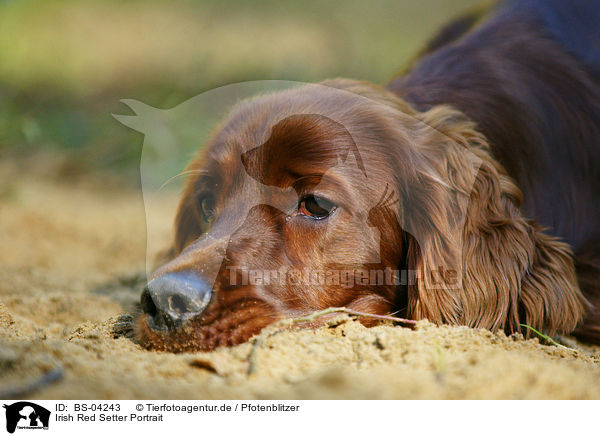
64 65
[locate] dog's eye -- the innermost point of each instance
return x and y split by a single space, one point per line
207 206
316 207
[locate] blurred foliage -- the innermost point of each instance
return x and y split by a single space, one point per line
64 65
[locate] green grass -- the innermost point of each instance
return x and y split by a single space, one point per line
547 338
64 65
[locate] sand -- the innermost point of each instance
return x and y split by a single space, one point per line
72 264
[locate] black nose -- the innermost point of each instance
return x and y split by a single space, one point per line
171 300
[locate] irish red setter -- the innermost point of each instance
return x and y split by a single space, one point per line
466 192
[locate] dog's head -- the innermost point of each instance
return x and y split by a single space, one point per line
340 194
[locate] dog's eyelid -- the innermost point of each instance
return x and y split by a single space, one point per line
205 183
316 207
206 205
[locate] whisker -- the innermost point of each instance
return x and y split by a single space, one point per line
182 174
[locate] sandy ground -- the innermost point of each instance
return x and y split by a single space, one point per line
72 263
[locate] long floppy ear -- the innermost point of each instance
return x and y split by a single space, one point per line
480 262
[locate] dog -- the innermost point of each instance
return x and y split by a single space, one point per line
466 191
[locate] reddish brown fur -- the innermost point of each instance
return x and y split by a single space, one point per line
511 271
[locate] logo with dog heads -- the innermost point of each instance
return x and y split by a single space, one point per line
26 415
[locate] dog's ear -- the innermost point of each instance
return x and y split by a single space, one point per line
478 261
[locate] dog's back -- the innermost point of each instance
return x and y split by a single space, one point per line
529 75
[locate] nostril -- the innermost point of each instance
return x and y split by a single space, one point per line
178 304
147 303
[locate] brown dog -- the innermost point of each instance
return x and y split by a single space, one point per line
466 193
